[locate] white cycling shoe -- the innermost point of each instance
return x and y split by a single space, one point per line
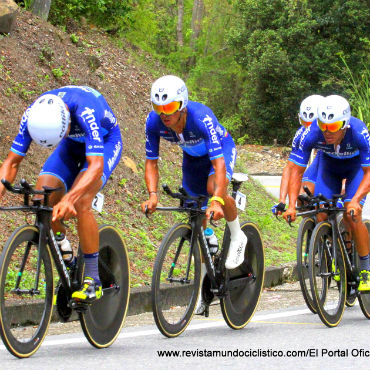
201 305
235 256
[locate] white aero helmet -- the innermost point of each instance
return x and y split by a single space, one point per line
334 108
166 90
48 120
308 109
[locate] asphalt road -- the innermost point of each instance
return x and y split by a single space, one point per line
283 334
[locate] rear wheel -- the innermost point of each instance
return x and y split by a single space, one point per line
245 282
25 309
103 320
303 242
176 281
328 274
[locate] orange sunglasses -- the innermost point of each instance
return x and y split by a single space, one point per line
167 109
304 123
331 127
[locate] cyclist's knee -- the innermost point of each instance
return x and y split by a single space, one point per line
83 204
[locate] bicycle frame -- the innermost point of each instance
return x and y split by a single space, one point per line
196 217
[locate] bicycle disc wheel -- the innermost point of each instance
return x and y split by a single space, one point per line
325 273
103 320
245 282
364 298
24 313
303 242
175 281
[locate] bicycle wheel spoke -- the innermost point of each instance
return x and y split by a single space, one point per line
327 275
176 279
25 294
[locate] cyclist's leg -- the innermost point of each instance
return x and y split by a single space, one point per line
310 175
328 182
87 226
195 172
60 170
358 229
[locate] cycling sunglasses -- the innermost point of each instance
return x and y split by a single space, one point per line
304 123
331 127
167 109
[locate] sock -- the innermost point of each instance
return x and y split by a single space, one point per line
91 266
234 227
365 263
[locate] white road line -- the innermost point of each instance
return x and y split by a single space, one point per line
258 317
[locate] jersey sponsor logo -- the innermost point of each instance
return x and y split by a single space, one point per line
304 135
88 115
297 136
62 94
108 114
209 124
365 134
23 125
116 151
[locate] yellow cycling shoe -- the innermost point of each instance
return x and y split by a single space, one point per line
89 292
336 277
364 285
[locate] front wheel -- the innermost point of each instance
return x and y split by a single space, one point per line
245 283
103 320
303 242
176 281
327 275
25 309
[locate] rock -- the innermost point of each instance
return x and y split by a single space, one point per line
8 14
94 63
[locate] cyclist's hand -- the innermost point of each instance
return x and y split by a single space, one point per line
64 210
150 205
278 209
356 208
290 215
217 210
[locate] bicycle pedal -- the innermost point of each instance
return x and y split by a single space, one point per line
79 306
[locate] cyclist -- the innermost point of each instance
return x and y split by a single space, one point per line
209 156
78 121
345 144
307 114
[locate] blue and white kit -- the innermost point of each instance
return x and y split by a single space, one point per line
202 140
344 161
310 174
94 132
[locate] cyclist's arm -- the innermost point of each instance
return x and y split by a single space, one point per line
285 182
9 169
293 189
151 176
364 187
219 166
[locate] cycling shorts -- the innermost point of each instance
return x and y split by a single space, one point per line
332 171
69 159
310 174
196 170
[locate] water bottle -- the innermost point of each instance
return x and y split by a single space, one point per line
211 240
65 247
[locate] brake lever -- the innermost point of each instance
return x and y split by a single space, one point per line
211 218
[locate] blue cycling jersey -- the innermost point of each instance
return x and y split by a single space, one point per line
356 142
91 120
297 138
202 134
